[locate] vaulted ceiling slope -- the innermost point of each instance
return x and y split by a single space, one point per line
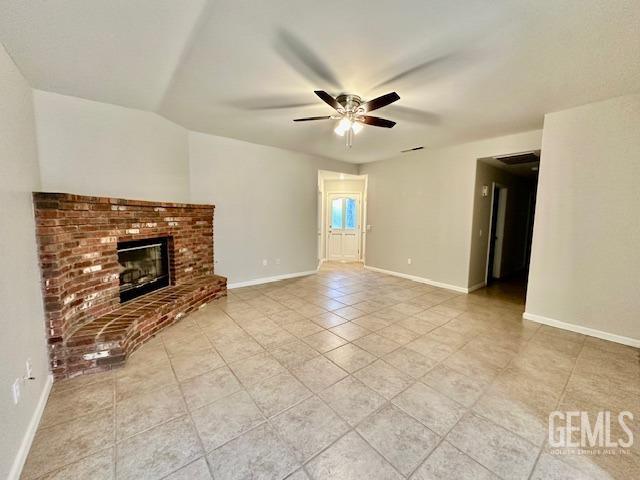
244 69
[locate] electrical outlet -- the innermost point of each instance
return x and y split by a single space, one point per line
481 232
409 261
29 368
15 389
277 261
264 262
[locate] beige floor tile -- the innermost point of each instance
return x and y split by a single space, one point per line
68 404
470 365
257 368
278 393
159 451
443 310
303 328
350 313
309 427
299 475
497 449
225 419
417 325
461 388
434 316
82 381
209 387
50 448
319 373
402 440
286 317
437 412
294 354
350 331
384 379
258 454
192 343
371 322
132 381
197 470
187 365
99 466
136 414
352 400
551 467
410 362
449 463
398 334
351 458
239 349
376 344
328 320
350 357
324 341
430 348
391 315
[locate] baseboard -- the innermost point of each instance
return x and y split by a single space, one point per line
592 332
27 439
415 278
477 286
260 281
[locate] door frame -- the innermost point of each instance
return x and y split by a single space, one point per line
500 223
327 221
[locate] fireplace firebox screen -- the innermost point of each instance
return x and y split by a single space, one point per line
144 267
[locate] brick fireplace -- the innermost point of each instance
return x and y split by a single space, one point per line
92 249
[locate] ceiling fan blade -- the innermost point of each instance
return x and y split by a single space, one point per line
304 60
377 121
414 115
416 68
278 102
380 102
306 119
328 99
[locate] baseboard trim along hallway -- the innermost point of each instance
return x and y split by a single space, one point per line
415 278
275 278
29 435
592 332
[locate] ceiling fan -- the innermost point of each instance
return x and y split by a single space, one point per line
352 113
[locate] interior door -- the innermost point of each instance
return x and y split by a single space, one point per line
343 226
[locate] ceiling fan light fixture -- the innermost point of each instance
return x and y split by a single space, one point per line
343 126
356 127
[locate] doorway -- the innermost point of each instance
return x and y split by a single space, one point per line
496 238
342 207
343 226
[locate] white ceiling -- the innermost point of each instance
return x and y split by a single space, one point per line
212 65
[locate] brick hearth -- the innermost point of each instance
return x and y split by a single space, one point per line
87 327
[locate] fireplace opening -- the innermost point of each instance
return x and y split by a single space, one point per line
144 267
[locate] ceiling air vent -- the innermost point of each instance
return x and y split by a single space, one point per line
519 158
412 149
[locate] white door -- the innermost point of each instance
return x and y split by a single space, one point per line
343 226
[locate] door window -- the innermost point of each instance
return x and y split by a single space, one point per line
344 214
336 213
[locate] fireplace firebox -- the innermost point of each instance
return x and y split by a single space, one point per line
144 267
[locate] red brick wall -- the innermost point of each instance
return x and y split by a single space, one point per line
77 241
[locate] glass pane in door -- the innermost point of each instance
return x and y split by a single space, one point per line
336 213
350 213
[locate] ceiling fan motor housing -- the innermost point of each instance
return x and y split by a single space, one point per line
351 103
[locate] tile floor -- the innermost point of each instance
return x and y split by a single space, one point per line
346 374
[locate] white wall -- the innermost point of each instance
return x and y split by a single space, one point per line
420 206
266 204
22 319
95 148
585 261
